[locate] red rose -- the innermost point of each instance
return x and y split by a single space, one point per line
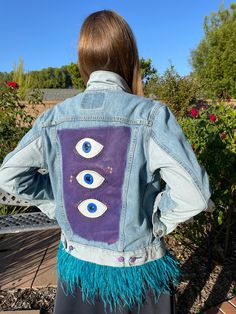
194 112
12 84
213 117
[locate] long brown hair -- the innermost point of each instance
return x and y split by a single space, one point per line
106 42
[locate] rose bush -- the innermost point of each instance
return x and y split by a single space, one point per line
212 134
12 84
15 121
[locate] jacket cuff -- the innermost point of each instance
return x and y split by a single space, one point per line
47 207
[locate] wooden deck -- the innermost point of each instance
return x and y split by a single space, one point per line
228 307
28 259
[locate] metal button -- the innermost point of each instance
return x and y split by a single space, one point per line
132 259
121 259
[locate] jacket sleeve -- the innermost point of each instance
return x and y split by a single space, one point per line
20 171
187 191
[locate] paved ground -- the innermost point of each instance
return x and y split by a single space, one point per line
20 312
28 259
228 307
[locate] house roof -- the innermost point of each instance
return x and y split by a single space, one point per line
60 94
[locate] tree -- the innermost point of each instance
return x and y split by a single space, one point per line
148 72
178 92
51 78
214 59
76 79
5 76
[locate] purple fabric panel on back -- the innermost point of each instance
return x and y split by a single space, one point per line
110 163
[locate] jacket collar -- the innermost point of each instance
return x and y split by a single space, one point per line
102 79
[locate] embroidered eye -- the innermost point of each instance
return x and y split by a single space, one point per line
92 208
89 179
88 147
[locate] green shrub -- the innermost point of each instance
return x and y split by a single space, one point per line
212 133
15 121
176 91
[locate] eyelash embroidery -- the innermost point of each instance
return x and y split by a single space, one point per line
90 179
88 147
92 208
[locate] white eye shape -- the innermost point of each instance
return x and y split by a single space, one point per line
92 208
88 147
90 179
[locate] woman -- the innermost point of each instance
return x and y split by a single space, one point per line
106 151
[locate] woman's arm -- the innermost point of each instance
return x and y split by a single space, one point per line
19 173
187 190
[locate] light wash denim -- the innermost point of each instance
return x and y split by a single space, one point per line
106 151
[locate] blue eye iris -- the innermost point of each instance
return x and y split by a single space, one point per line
88 178
86 147
92 207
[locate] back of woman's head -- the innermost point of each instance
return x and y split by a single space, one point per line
106 42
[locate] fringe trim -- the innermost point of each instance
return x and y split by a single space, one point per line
118 286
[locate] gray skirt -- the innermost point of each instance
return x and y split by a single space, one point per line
74 304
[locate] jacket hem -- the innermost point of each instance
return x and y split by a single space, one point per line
113 258
117 286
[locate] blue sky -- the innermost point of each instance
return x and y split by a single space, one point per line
45 32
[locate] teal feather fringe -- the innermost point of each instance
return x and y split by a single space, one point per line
117 285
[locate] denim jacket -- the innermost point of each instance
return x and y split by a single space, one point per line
105 152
